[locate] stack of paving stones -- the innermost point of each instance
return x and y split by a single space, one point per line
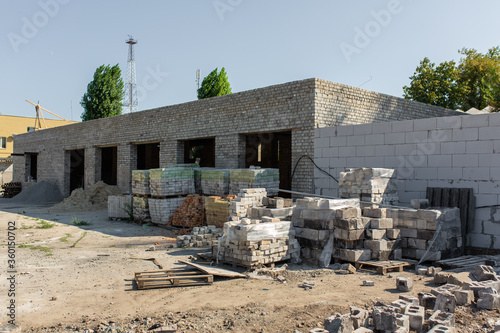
217 209
141 209
171 181
252 243
140 182
435 233
214 181
314 222
381 237
119 207
280 208
369 184
161 209
190 214
429 312
200 237
254 178
246 198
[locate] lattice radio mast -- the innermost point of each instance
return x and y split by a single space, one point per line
131 102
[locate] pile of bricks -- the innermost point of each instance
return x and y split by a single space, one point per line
254 178
253 243
190 213
436 230
273 207
161 209
140 182
313 219
119 206
200 237
369 184
217 209
246 198
214 181
141 210
171 181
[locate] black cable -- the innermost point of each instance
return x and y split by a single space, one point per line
309 157
491 206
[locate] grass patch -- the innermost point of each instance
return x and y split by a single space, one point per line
44 225
25 227
33 247
77 222
112 246
65 238
79 239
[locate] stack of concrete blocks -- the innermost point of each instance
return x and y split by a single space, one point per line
279 208
314 222
207 236
369 184
253 243
119 206
245 199
141 210
171 181
381 236
435 233
217 210
214 181
254 178
140 182
161 209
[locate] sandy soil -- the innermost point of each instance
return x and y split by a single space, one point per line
80 278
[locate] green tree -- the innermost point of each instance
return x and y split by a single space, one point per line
473 67
435 85
456 86
491 85
215 84
104 94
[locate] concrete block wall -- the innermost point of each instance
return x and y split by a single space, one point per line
459 151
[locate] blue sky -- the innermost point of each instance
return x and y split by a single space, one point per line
51 48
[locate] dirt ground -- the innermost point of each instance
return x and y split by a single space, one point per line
77 277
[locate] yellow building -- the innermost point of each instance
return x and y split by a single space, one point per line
10 125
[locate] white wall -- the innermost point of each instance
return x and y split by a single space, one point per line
460 151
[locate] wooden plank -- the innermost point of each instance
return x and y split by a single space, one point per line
471 215
455 193
217 271
436 197
445 200
428 195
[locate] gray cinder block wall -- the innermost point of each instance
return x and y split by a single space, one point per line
298 106
461 151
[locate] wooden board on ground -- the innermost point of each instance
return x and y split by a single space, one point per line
217 271
382 267
463 262
172 278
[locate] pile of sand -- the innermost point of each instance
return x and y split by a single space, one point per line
93 198
40 193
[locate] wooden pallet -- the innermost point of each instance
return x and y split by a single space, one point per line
382 267
172 278
462 262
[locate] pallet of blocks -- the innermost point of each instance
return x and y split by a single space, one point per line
273 207
140 208
140 182
254 178
214 181
161 209
191 213
217 209
246 199
376 185
171 181
253 243
119 207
